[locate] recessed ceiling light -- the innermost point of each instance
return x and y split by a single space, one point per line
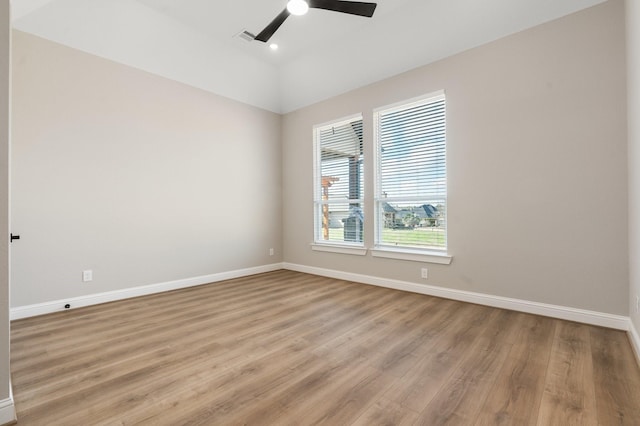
273 46
297 7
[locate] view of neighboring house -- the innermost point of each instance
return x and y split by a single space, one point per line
411 217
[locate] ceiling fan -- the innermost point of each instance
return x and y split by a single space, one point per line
300 7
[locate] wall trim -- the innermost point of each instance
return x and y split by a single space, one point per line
555 311
7 411
126 293
634 337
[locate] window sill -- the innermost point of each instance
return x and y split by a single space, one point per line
357 251
412 255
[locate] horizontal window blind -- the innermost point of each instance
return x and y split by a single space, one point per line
411 186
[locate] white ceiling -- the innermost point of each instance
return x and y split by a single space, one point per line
321 54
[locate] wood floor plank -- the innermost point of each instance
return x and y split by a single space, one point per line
286 406
289 348
616 378
460 400
204 397
386 413
515 397
432 371
67 340
344 400
569 396
105 349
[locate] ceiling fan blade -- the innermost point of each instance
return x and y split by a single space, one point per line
350 7
273 26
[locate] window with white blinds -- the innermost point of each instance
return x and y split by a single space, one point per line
411 178
338 181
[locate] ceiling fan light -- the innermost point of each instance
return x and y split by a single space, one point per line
297 7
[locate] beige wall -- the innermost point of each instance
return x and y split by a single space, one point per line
5 49
138 178
633 81
537 166
144 180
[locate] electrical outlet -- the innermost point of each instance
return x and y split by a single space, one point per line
87 275
271 252
425 273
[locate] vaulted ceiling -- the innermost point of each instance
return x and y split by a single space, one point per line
320 55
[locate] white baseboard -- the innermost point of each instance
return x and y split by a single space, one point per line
94 299
554 311
7 411
561 312
635 340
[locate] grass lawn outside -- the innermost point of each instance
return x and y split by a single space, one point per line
417 237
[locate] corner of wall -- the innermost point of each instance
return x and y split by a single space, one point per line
634 337
8 411
632 17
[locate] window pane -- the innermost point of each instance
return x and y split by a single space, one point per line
413 224
412 151
341 161
340 222
339 183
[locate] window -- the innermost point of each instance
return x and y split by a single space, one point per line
338 181
411 184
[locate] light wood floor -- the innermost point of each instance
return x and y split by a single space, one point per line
287 348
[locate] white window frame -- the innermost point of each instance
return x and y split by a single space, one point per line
418 254
319 244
